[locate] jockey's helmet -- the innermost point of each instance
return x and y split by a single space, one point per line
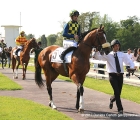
115 41
74 12
22 32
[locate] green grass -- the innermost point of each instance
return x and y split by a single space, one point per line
129 92
20 109
8 84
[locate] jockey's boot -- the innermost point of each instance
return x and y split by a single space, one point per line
67 51
16 53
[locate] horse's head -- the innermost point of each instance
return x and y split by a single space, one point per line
100 38
32 43
94 38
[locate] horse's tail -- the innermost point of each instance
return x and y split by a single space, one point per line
38 77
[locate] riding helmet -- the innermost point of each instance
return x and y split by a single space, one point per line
115 41
22 32
74 12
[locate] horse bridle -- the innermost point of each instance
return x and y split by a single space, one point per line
98 40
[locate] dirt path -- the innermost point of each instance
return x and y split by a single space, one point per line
64 95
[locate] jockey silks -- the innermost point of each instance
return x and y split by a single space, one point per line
20 40
73 29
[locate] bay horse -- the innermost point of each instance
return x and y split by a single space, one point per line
23 59
3 57
77 69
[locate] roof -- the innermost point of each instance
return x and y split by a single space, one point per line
11 26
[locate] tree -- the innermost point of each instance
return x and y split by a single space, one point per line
51 39
43 41
59 39
129 33
29 36
85 20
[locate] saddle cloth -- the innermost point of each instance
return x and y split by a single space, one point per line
56 56
14 52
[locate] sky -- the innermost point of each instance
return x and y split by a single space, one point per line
45 16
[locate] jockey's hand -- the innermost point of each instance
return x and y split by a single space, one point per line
76 37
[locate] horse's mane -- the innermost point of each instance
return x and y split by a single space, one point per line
26 44
82 35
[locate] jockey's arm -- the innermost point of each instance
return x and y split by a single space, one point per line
65 32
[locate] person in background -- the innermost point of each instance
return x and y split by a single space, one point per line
37 51
2 44
135 57
129 55
71 34
20 41
8 53
115 69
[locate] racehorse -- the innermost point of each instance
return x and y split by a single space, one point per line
23 59
3 58
77 69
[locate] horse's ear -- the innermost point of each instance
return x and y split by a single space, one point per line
101 26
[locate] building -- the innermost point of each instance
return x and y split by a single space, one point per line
11 32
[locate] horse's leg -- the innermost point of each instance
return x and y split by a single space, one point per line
78 98
16 76
24 70
81 90
50 75
13 65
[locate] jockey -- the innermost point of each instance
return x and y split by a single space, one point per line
20 41
71 34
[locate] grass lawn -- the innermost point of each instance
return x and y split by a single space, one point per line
20 109
129 92
8 84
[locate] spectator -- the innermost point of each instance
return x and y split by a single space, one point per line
129 55
8 53
37 51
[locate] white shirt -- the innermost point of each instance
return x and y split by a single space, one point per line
129 56
111 65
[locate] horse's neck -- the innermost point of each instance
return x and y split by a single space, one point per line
26 49
84 49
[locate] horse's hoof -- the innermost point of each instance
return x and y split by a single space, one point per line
81 110
50 104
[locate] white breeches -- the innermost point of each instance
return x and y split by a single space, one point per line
68 43
19 47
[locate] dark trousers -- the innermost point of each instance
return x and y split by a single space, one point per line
128 74
116 83
101 66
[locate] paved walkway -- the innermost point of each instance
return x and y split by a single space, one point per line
64 95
